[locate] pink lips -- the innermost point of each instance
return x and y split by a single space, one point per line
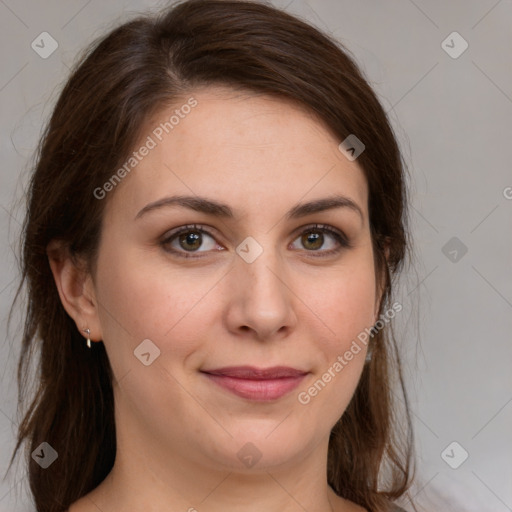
257 384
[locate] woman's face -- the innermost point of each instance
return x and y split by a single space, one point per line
258 287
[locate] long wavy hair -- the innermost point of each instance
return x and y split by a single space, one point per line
121 80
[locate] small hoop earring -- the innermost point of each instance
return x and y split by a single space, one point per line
88 332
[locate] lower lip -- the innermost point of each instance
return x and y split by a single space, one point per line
260 390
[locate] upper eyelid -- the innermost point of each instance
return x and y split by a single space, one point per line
206 229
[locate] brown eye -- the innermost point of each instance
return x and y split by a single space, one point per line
314 238
189 239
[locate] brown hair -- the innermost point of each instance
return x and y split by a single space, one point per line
131 73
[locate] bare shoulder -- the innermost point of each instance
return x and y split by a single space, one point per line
76 507
350 506
354 507
343 505
83 504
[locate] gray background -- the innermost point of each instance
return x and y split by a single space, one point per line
453 117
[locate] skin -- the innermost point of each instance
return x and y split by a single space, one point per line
178 433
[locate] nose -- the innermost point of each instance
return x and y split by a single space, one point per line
261 303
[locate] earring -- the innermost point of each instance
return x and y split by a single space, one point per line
369 352
371 344
88 332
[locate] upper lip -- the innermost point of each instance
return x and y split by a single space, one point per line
251 372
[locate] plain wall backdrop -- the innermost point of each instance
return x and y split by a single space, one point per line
443 71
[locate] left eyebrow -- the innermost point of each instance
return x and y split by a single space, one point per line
320 205
217 209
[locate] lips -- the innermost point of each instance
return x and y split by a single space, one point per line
250 372
258 384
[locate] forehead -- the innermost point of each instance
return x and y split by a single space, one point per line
252 151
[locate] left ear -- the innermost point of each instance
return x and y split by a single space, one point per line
75 288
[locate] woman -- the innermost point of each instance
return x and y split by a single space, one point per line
216 216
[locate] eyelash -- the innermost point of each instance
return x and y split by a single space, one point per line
323 228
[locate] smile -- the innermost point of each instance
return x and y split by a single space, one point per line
258 385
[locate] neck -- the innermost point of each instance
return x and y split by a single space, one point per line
145 480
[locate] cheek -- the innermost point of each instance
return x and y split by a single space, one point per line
139 300
345 301
347 307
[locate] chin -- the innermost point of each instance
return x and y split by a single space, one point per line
260 451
